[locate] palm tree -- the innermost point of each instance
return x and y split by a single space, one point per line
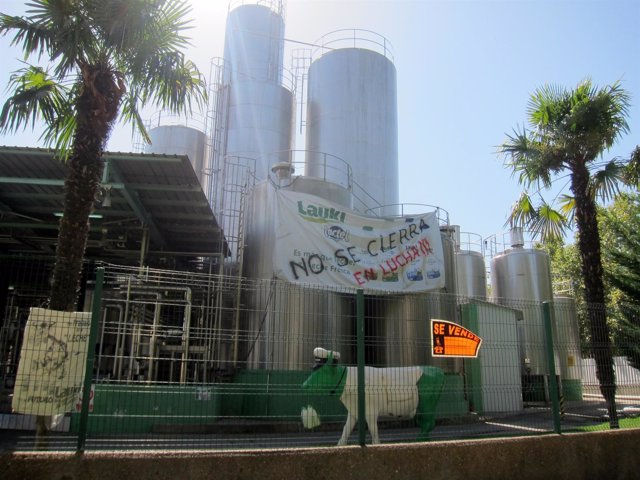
569 132
107 59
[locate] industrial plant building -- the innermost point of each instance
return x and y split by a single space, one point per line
196 229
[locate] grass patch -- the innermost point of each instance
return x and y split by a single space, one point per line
624 423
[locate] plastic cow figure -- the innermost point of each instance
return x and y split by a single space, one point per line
397 392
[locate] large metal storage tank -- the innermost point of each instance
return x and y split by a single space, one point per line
471 271
253 111
180 140
260 109
259 121
352 113
285 322
399 326
521 279
566 341
254 41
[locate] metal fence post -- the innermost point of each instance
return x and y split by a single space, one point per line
88 374
362 428
553 379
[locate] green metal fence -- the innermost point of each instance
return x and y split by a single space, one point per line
191 360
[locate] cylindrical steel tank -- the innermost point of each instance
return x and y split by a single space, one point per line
352 113
566 341
254 42
285 322
254 111
521 279
259 122
180 140
472 274
471 271
398 327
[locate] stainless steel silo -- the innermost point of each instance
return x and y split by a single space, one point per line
352 113
260 108
254 110
566 341
259 122
180 140
521 279
471 271
254 41
399 326
285 322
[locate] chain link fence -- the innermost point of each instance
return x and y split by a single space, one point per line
191 360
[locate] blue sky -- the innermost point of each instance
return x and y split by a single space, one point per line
465 73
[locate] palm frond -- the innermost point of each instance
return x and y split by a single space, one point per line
169 81
55 29
544 105
32 37
130 28
605 183
567 205
522 211
59 135
549 223
36 96
543 220
529 159
131 114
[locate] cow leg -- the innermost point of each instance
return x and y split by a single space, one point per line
348 428
372 423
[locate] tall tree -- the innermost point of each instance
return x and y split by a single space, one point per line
106 60
569 130
622 253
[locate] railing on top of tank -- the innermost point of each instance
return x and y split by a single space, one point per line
286 78
358 38
471 242
164 118
276 6
501 242
404 209
326 167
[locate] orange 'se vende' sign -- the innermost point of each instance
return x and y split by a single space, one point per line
451 340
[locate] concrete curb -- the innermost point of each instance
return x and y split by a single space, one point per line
606 455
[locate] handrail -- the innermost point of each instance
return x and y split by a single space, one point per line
330 168
359 38
442 214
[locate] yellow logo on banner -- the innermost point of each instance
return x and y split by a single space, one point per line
449 339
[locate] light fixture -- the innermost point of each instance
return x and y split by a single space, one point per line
92 215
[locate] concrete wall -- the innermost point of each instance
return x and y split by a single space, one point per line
602 455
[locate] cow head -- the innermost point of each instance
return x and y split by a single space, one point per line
327 377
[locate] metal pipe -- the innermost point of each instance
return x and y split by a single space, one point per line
186 326
119 350
144 245
153 340
104 320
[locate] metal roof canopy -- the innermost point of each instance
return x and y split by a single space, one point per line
151 206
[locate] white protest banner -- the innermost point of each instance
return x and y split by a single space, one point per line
52 362
319 242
